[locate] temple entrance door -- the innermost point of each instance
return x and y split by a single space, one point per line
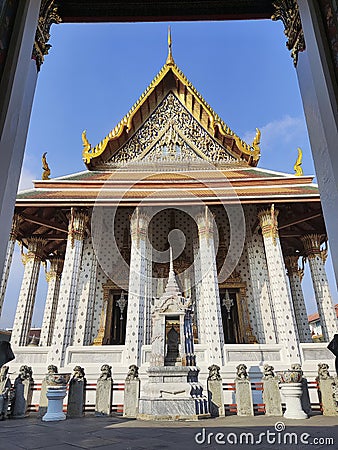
116 319
231 316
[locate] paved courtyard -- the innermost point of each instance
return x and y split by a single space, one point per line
117 433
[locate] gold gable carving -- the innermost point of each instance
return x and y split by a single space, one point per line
171 133
216 126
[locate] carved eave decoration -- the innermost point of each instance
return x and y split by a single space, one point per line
288 12
170 79
48 16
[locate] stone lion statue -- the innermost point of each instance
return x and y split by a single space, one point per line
296 366
105 372
52 369
214 374
323 371
78 374
268 372
25 373
242 373
132 373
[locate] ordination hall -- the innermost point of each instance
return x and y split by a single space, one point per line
172 247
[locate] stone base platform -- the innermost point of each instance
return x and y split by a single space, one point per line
173 393
166 409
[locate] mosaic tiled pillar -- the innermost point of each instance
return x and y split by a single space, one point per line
265 319
85 296
148 298
9 255
210 303
295 275
199 311
317 258
53 277
65 317
24 310
137 287
286 326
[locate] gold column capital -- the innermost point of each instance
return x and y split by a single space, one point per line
292 267
17 220
35 251
205 222
312 244
268 219
139 223
55 271
79 219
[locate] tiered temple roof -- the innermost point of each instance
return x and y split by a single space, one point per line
171 148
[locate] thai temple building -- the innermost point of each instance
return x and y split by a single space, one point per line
171 189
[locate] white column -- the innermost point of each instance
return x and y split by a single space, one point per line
9 256
24 310
265 318
137 287
317 258
281 298
295 275
85 296
210 302
64 323
53 277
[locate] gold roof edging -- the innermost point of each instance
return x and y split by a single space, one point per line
90 152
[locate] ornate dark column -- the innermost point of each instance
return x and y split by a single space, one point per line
316 70
17 88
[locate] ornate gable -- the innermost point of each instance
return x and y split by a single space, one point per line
201 133
171 133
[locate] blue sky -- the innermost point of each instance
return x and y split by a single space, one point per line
95 72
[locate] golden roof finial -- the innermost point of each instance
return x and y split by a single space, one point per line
170 59
256 145
85 143
298 166
45 167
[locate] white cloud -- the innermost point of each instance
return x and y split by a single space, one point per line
288 130
279 141
26 179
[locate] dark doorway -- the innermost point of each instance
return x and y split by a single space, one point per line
230 316
117 319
